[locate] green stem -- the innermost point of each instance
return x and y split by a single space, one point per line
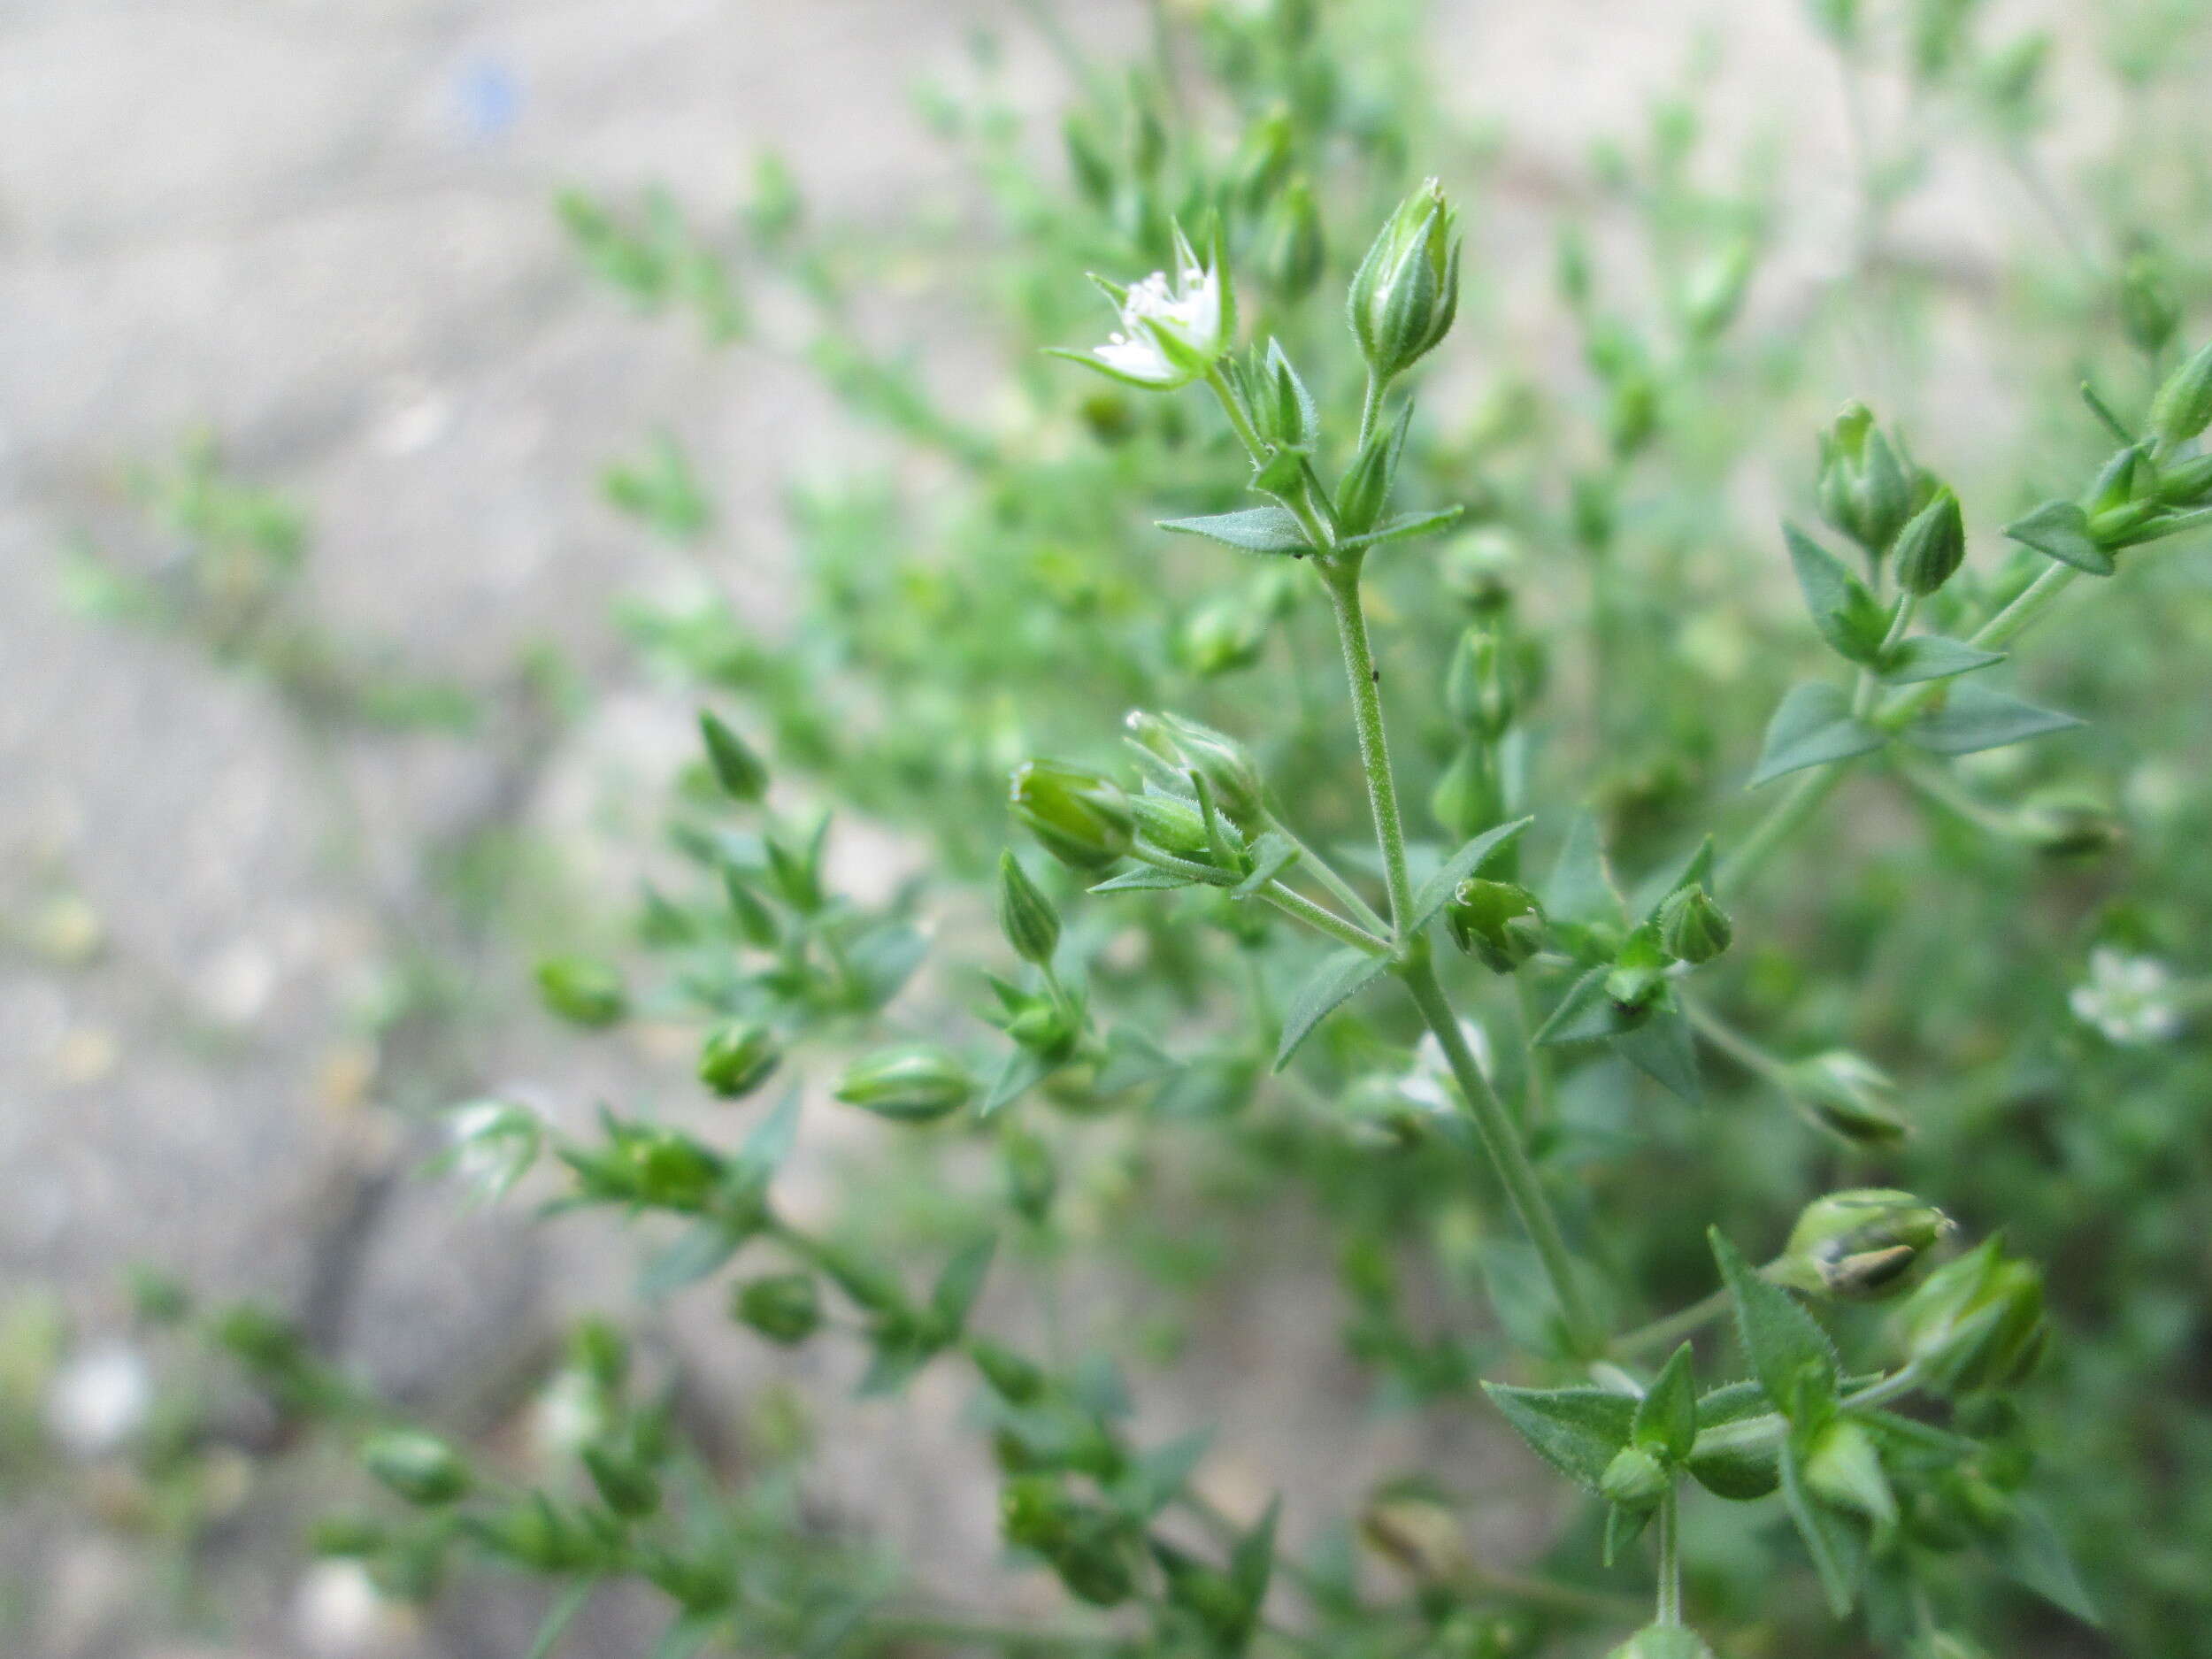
1292 902
1748 1432
1783 821
1342 580
1322 871
1667 1332
1522 1184
1371 406
1670 1608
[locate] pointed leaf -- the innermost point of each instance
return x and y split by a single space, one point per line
1623 1528
1974 718
697 1251
1340 977
1145 879
1577 1431
1132 1061
1254 529
1024 1070
1660 1046
1272 854
1438 889
1788 1349
1405 525
1580 891
1160 1475
1587 1013
1813 726
1933 656
1828 1538
1252 1559
563 1614
1848 617
1666 1416
957 1287
769 1143
2036 1555
2059 530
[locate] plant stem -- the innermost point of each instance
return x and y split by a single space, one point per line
1783 821
1369 407
1342 580
1523 1185
1294 903
1670 1608
1322 871
1665 1334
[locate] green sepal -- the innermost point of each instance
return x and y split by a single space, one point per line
1973 718
1666 1418
1848 617
1577 1431
1145 879
1253 529
1813 726
1340 976
1623 1528
2059 530
1271 855
1436 892
1932 656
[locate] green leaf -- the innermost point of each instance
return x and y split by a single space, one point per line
957 1287
1158 1477
1580 892
2059 530
1623 1528
1666 1418
1933 656
1406 524
1973 718
1587 1013
699 1250
1813 726
1145 879
2037 1557
1830 1539
687 1635
563 1614
769 1143
1024 1070
1252 1559
1848 617
1272 854
1132 1061
1437 890
1788 1350
1577 1431
1254 530
1660 1046
1340 977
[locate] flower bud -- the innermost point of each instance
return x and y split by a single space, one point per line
1693 928
736 768
2187 483
1663 1641
1469 798
915 1084
1865 491
1035 1513
1716 291
1406 293
1931 546
1478 687
1013 1379
1976 1323
738 1056
2147 312
1299 248
1225 764
1862 1245
420 1468
785 1308
1087 161
1079 816
582 991
1499 923
1849 1094
1221 637
2182 407
1635 1480
1173 825
1032 1180
625 1484
1364 490
1025 916
2058 826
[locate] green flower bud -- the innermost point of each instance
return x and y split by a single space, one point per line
1225 764
1035 1513
1931 546
1716 291
1976 1323
668 1168
1406 293
1222 637
1631 413
1478 687
1864 490
785 1308
420 1468
1025 916
915 1084
736 768
1635 1480
2182 407
1469 798
1663 1641
2187 483
1862 1245
582 991
1844 1468
1032 1180
1013 1379
1172 824
2060 827
1849 1094
1499 923
601 1353
1087 161
1079 816
348 1537
738 1056
1299 249
2148 315
1042 1026
1639 972
534 1534
626 1484
1692 928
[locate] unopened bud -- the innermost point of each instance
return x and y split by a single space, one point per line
738 1056
2187 483
2182 407
2061 827
1976 1323
1299 251
1865 491
1406 293
1663 1641
1025 916
582 991
1635 1480
1849 1094
1225 764
1499 923
1716 291
1692 928
1222 637
915 1084
1862 1245
1469 798
1032 1180
785 1308
625 1484
420 1468
736 768
1173 825
1478 687
2147 312
1931 546
1079 816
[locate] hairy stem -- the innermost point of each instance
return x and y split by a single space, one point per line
1669 1609
1342 580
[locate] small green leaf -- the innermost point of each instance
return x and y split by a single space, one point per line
2059 530
1340 977
1406 524
769 1144
1623 1528
1132 1061
1145 879
563 1614
1158 1477
696 1252
1577 1431
1587 1013
1973 718
2037 1557
1933 656
1848 617
1024 1070
1813 726
1660 1046
1789 1352
957 1287
1438 889
1272 854
1830 1539
1666 1416
1254 530
1580 892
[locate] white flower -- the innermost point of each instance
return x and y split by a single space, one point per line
99 1400
1429 1080
2127 998
1172 330
568 1416
494 1142
337 1609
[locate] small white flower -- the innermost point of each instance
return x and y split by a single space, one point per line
98 1401
1172 330
494 1142
1428 1082
337 1609
568 1416
2127 998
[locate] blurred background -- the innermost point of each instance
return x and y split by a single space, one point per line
289 274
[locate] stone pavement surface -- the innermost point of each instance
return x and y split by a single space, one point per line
320 229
